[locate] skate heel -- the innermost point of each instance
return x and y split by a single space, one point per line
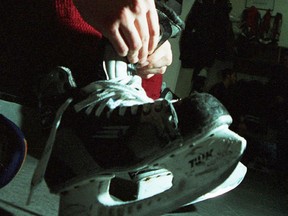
197 167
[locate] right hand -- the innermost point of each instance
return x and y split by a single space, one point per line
131 26
157 63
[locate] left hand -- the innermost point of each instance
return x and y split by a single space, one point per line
131 26
157 62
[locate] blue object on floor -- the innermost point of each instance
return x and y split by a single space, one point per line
13 150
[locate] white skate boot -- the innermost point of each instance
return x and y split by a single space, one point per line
111 128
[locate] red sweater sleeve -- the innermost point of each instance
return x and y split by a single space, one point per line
153 86
69 16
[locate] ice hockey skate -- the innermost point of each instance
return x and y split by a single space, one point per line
111 130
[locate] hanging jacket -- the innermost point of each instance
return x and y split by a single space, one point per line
208 34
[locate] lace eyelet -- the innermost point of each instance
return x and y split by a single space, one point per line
146 109
158 107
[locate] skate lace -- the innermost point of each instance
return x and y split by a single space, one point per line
119 92
123 93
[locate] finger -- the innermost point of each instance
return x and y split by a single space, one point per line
159 62
147 70
133 41
142 27
154 28
162 56
146 76
118 43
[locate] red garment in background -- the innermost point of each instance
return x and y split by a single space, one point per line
69 16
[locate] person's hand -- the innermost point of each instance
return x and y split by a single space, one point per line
157 62
131 26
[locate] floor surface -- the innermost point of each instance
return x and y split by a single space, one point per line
260 194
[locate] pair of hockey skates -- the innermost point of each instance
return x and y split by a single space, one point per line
165 153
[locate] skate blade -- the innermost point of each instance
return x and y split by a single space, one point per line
233 181
197 167
156 181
